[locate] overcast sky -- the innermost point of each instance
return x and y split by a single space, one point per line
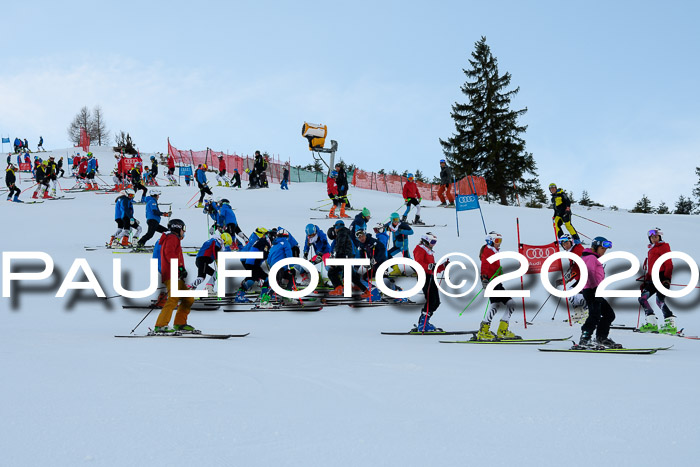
610 87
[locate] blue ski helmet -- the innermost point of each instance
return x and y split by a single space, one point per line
394 215
410 176
338 224
310 230
334 174
600 241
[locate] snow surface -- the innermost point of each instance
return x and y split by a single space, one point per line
326 388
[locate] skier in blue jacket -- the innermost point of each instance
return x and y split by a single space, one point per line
153 215
200 176
124 217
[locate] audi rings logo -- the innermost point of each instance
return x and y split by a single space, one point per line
540 253
466 199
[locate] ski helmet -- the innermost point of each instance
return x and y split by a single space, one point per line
442 161
338 224
122 193
227 239
204 166
394 216
600 241
247 171
89 154
51 156
655 231
130 193
429 239
410 176
153 158
222 201
155 192
310 230
565 238
177 226
272 233
365 213
334 174
493 238
282 233
379 228
552 185
260 231
235 170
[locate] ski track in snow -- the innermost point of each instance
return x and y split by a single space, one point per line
326 388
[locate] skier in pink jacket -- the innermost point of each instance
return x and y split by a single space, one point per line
600 313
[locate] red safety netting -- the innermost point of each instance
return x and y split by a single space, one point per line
274 171
395 183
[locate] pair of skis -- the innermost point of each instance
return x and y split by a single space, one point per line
177 335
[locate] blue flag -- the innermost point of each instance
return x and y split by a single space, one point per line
467 202
185 170
6 140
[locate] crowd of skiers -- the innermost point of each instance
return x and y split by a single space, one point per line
22 145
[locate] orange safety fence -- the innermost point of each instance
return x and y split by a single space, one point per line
275 167
395 183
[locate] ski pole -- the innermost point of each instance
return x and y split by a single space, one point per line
153 307
482 289
591 220
541 306
555 310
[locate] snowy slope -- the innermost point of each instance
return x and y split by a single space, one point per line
326 388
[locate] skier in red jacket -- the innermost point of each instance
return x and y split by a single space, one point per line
170 248
488 272
425 256
412 198
332 189
657 248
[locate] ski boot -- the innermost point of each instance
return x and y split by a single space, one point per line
442 204
265 300
504 332
404 218
337 292
451 205
200 205
417 221
584 342
210 290
651 325
372 295
35 195
607 343
186 329
395 271
110 242
331 214
16 199
240 297
424 325
485 333
46 195
219 183
669 326
125 241
342 212
163 331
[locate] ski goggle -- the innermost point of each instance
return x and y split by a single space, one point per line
606 244
497 241
655 232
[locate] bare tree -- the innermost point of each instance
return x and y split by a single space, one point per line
83 119
99 130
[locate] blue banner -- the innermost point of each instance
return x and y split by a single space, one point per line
186 170
6 140
467 202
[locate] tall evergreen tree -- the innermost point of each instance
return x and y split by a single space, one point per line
696 190
684 205
643 206
663 209
585 199
488 141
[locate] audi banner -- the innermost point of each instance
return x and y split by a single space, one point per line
536 254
